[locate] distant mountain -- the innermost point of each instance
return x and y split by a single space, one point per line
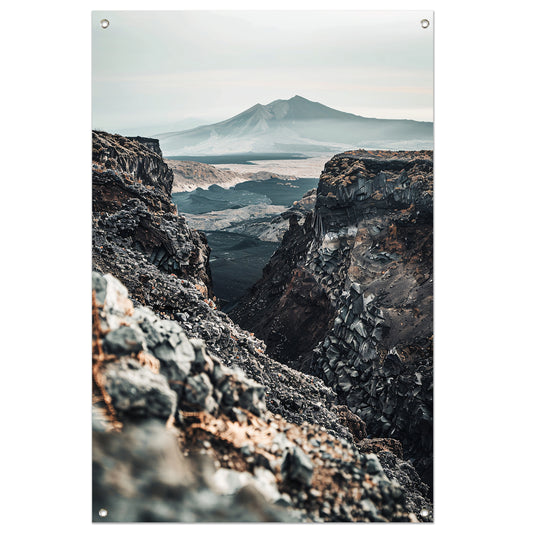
149 131
296 125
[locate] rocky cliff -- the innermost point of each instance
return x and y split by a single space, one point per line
348 296
133 212
133 225
192 419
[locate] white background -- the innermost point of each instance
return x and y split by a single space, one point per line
483 291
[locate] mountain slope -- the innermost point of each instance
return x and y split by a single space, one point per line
296 125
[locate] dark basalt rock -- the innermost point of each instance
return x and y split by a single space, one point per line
288 300
365 315
152 144
297 467
354 423
179 383
133 209
137 392
138 158
379 445
140 475
417 494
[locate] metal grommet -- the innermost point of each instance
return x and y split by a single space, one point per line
424 23
104 23
102 512
424 512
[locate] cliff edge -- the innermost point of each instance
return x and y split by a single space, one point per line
348 296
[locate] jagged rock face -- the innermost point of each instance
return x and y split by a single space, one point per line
133 209
163 263
178 373
298 397
179 436
362 184
367 252
152 144
141 475
142 161
287 308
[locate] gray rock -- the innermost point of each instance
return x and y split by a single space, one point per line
137 392
360 328
282 441
251 396
99 287
296 466
202 362
284 500
369 508
197 390
373 466
124 341
176 353
248 450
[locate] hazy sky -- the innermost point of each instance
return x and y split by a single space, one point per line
153 70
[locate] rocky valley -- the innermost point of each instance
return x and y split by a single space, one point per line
313 401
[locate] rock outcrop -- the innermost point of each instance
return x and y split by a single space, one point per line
170 369
152 144
179 436
133 212
348 295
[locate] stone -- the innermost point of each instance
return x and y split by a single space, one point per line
160 260
373 466
125 340
197 390
247 450
137 392
296 466
369 508
284 500
99 284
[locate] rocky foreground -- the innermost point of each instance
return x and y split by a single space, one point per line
193 421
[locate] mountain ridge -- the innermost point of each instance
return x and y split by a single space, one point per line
296 124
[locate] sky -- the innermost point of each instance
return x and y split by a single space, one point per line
157 71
